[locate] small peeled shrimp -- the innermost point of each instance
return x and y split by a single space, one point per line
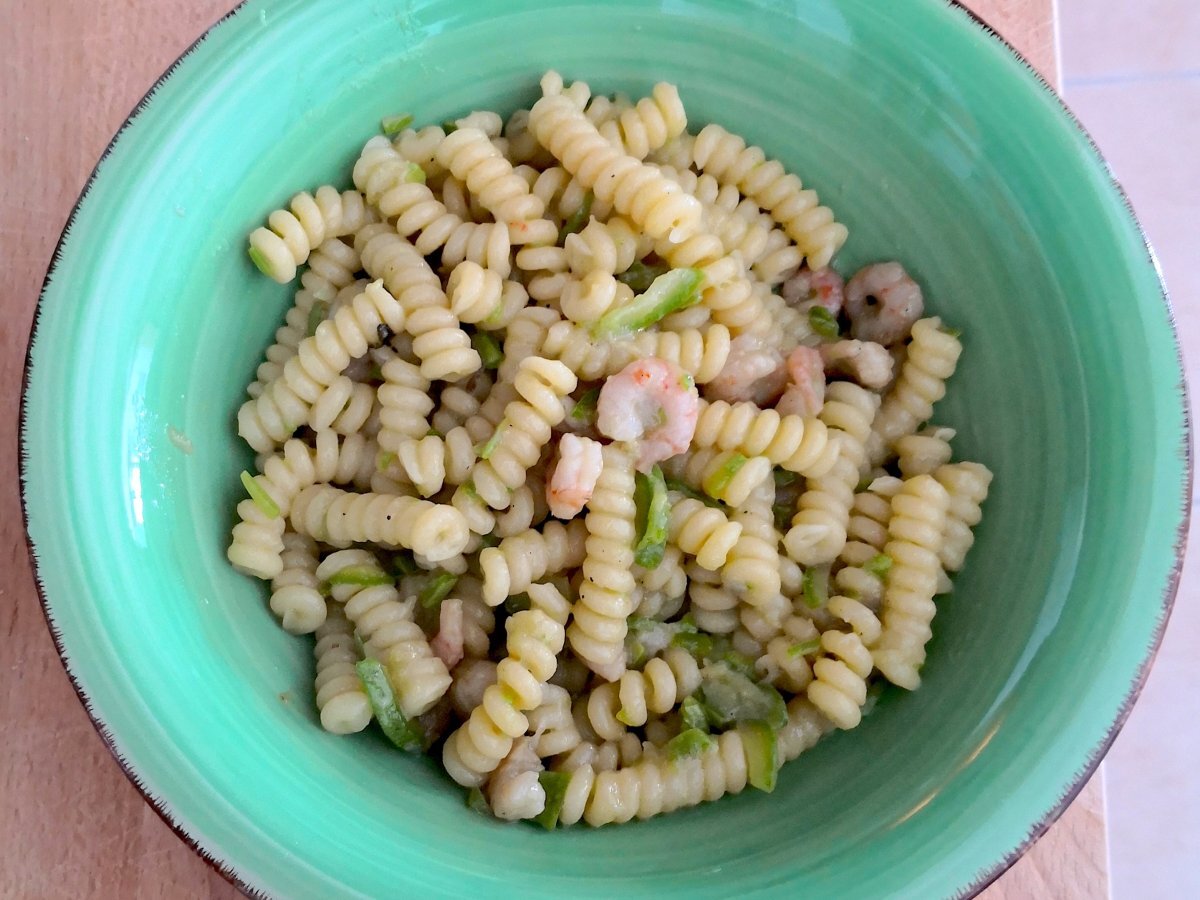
883 302
805 395
754 371
570 487
867 363
513 790
448 644
653 402
808 288
471 679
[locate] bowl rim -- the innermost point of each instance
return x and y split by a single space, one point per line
970 889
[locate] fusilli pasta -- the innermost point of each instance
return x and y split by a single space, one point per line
586 310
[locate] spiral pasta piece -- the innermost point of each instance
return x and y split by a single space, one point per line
295 598
331 267
564 196
923 452
424 219
523 147
728 294
459 402
588 358
723 474
748 237
337 459
752 569
356 412
588 299
475 292
525 335
839 685
405 404
286 473
424 462
522 509
336 517
714 606
610 247
340 698
818 531
602 756
292 234
525 429
631 701
735 303
660 590
476 749
736 226
385 625
656 785
285 403
866 537
967 484
702 354
548 277
552 722
915 537
858 616
647 126
517 562
761 623
386 176
789 326
731 161
635 190
459 456
784 661
331 402
932 358
605 601
257 542
703 532
444 348
797 444
778 260
470 155
420 145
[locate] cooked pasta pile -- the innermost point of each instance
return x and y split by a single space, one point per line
584 468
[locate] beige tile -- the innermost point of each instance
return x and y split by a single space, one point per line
1111 38
1153 790
1147 129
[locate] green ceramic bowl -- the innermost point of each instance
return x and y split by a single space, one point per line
937 146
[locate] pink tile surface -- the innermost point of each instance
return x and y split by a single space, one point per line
1132 74
1103 39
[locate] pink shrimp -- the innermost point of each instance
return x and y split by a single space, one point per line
570 487
653 402
448 644
806 394
883 302
867 363
754 371
471 679
514 791
808 288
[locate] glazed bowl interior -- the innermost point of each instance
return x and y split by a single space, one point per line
925 135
